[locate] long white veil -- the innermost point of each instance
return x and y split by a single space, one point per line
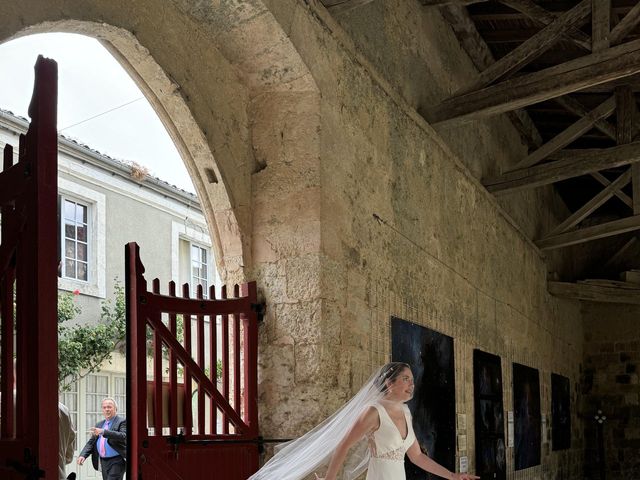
306 454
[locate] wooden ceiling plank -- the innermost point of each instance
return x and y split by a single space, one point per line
594 293
619 193
592 205
544 17
626 25
600 24
479 53
610 64
531 48
568 164
574 131
574 106
588 234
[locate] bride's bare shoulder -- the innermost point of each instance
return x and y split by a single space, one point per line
370 418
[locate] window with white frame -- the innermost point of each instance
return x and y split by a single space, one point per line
192 260
75 234
199 268
82 233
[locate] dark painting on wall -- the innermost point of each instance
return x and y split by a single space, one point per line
491 461
526 405
560 413
430 355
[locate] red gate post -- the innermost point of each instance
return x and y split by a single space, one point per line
136 368
39 292
28 255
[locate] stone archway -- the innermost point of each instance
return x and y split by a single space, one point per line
216 75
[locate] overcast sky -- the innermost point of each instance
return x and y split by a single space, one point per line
92 84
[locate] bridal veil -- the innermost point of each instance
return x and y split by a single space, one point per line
303 456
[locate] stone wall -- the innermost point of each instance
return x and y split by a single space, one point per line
345 205
406 230
417 52
611 367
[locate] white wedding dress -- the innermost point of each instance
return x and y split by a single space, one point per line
388 448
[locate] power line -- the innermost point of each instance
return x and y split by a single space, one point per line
100 114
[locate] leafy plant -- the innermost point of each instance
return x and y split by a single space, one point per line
83 348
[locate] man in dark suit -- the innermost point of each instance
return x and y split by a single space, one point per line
108 443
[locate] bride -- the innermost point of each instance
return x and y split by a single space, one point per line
376 420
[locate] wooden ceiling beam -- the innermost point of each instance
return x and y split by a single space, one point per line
588 234
626 129
594 293
479 53
567 136
575 107
608 87
568 164
610 64
593 204
495 14
625 114
626 25
468 36
531 48
626 199
540 15
600 24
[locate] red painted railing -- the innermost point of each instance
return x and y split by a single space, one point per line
28 292
192 380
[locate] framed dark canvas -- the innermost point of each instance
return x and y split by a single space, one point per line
491 461
430 355
527 419
560 412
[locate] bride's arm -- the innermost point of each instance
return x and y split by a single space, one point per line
427 464
367 422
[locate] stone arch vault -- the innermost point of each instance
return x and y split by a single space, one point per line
217 74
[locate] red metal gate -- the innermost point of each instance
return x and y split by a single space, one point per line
191 380
28 264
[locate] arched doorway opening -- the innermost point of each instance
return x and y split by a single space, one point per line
103 170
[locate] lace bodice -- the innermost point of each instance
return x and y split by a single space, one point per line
386 443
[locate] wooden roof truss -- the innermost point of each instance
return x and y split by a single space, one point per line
566 73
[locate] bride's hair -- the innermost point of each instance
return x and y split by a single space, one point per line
389 372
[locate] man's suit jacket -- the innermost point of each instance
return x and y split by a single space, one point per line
116 437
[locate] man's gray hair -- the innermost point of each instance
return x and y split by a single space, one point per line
110 399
